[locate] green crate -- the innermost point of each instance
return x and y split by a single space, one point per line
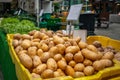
7 67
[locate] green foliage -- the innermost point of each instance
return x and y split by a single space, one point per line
13 25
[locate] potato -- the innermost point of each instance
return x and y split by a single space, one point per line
108 55
68 57
36 61
26 60
53 51
18 48
32 51
69 71
78 74
72 49
36 40
17 36
61 48
50 33
45 37
32 32
87 62
77 39
26 36
97 44
89 70
65 38
61 72
35 44
98 65
67 44
51 44
92 48
21 52
36 35
51 64
56 74
62 64
89 54
40 68
117 56
26 43
78 57
57 57
100 55
73 42
82 45
79 67
72 63
106 62
43 46
39 52
15 43
45 56
34 75
48 73
58 40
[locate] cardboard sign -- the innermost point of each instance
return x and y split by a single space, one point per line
74 12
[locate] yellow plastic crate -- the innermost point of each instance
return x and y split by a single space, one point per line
23 74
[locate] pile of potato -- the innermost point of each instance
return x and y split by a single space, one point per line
49 54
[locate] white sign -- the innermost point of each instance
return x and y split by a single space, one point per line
74 12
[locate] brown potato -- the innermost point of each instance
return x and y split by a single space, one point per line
98 65
68 57
78 74
43 46
51 44
45 56
53 51
48 73
34 75
65 38
72 63
58 40
26 43
62 64
89 70
26 36
82 45
57 57
77 39
21 52
87 62
36 40
92 48
39 52
32 32
61 48
17 36
106 62
100 55
36 34
40 68
56 74
69 71
61 72
25 60
15 43
67 44
78 57
51 64
18 49
32 51
35 44
36 61
108 55
72 49
89 54
97 44
79 67
50 33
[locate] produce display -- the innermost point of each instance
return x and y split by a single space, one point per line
14 25
48 54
